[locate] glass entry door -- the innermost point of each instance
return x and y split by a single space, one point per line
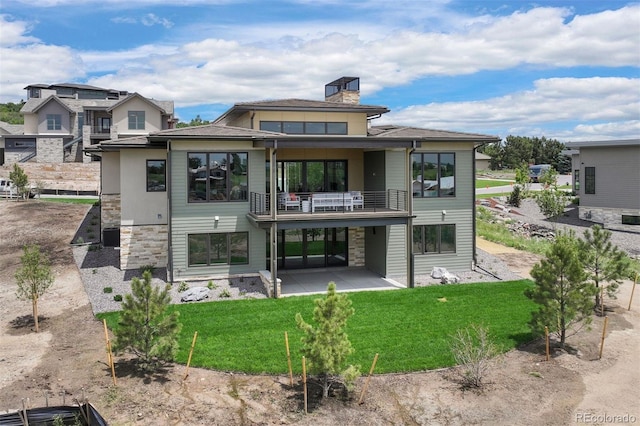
312 248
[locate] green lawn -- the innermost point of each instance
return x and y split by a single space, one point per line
409 328
69 200
483 183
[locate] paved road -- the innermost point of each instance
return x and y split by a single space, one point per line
564 182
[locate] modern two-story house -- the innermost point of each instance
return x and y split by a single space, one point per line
606 176
62 119
292 184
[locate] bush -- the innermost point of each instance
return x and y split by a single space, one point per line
149 268
117 298
472 349
183 287
107 290
515 198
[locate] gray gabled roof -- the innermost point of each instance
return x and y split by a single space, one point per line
11 129
71 86
298 105
166 107
211 130
35 106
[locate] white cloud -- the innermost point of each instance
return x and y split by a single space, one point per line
14 33
151 19
612 102
124 20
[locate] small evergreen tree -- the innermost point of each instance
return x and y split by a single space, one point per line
550 199
605 263
34 277
145 327
20 180
327 346
561 289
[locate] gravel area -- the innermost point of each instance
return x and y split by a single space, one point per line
99 265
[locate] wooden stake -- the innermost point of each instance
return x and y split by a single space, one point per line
193 343
546 339
304 383
35 312
366 383
604 330
632 290
25 417
286 342
106 342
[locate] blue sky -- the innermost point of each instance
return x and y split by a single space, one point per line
568 70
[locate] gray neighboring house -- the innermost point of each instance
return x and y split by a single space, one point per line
7 130
606 176
62 119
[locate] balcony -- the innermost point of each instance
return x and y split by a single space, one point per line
351 206
101 131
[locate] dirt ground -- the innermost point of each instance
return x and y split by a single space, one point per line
66 361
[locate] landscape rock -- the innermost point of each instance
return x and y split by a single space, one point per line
449 278
194 294
438 271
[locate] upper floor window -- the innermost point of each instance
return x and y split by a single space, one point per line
589 180
217 176
305 127
433 174
156 175
136 120
54 122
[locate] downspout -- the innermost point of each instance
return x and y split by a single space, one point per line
409 186
169 231
273 206
474 260
253 114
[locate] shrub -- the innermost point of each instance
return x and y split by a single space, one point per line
225 293
107 290
117 298
472 349
149 268
183 286
211 285
515 198
80 240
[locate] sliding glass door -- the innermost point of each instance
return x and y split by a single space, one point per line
312 176
312 248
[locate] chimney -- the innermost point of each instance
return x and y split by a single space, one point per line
344 89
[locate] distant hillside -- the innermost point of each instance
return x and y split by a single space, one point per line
10 113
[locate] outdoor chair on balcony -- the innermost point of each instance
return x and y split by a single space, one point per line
289 200
357 199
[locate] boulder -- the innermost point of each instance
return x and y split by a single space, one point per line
194 294
449 278
438 271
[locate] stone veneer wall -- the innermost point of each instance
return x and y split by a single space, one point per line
143 245
608 217
110 210
49 150
356 246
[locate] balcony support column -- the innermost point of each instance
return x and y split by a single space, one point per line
273 206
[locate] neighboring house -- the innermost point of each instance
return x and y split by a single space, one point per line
292 184
6 130
482 161
606 176
62 119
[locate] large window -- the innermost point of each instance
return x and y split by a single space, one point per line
589 180
54 122
136 120
433 174
433 239
312 176
217 176
305 127
156 175
218 249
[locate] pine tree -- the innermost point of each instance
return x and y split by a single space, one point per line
326 347
34 277
605 263
145 327
20 180
561 289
